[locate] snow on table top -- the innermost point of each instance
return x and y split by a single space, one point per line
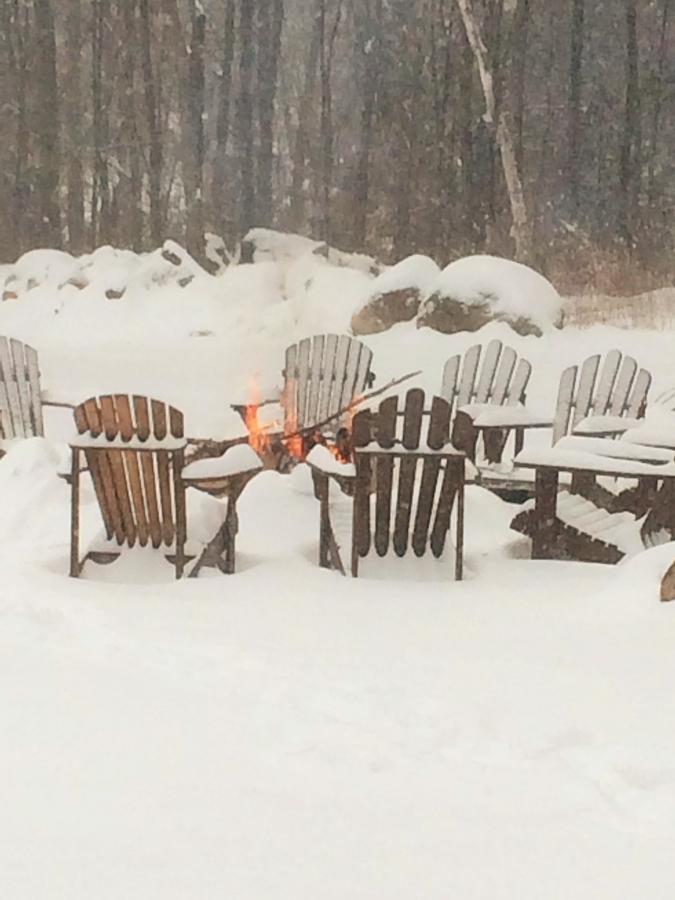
605 425
235 461
87 441
653 433
490 415
599 455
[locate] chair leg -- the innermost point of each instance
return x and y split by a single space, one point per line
75 514
459 537
181 525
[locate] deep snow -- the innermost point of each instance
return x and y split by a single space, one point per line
288 733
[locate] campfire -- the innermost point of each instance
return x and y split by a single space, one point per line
282 449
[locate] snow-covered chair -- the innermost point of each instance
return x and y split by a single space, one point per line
405 480
596 401
486 389
134 448
21 396
322 376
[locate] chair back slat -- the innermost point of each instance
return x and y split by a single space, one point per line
386 435
488 371
33 372
519 383
507 364
412 427
603 394
316 370
133 471
327 376
637 402
15 426
303 360
23 386
563 406
583 401
439 428
465 392
624 383
449 382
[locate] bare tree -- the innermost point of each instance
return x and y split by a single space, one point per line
503 135
47 119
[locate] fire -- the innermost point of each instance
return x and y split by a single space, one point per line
266 438
259 435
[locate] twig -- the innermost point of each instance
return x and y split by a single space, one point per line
217 448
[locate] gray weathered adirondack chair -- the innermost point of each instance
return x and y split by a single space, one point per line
597 399
21 399
322 376
407 477
601 396
482 377
134 448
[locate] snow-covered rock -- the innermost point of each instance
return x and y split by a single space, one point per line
475 290
395 295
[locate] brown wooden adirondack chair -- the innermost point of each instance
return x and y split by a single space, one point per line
490 376
323 375
21 399
134 449
407 478
598 398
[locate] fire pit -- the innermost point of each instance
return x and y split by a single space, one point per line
283 450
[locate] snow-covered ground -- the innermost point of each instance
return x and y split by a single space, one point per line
289 733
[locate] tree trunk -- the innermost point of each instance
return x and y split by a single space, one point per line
130 189
271 17
100 203
368 36
14 237
574 104
301 144
73 114
47 118
503 136
520 43
629 163
156 152
326 46
193 133
221 218
247 210
660 95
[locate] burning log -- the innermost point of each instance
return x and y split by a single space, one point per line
280 450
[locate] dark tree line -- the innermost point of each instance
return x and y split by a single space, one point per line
376 125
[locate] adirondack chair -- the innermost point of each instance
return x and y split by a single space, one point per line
596 399
481 379
323 375
406 478
21 398
134 449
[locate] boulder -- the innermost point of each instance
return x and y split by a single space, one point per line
395 295
476 290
